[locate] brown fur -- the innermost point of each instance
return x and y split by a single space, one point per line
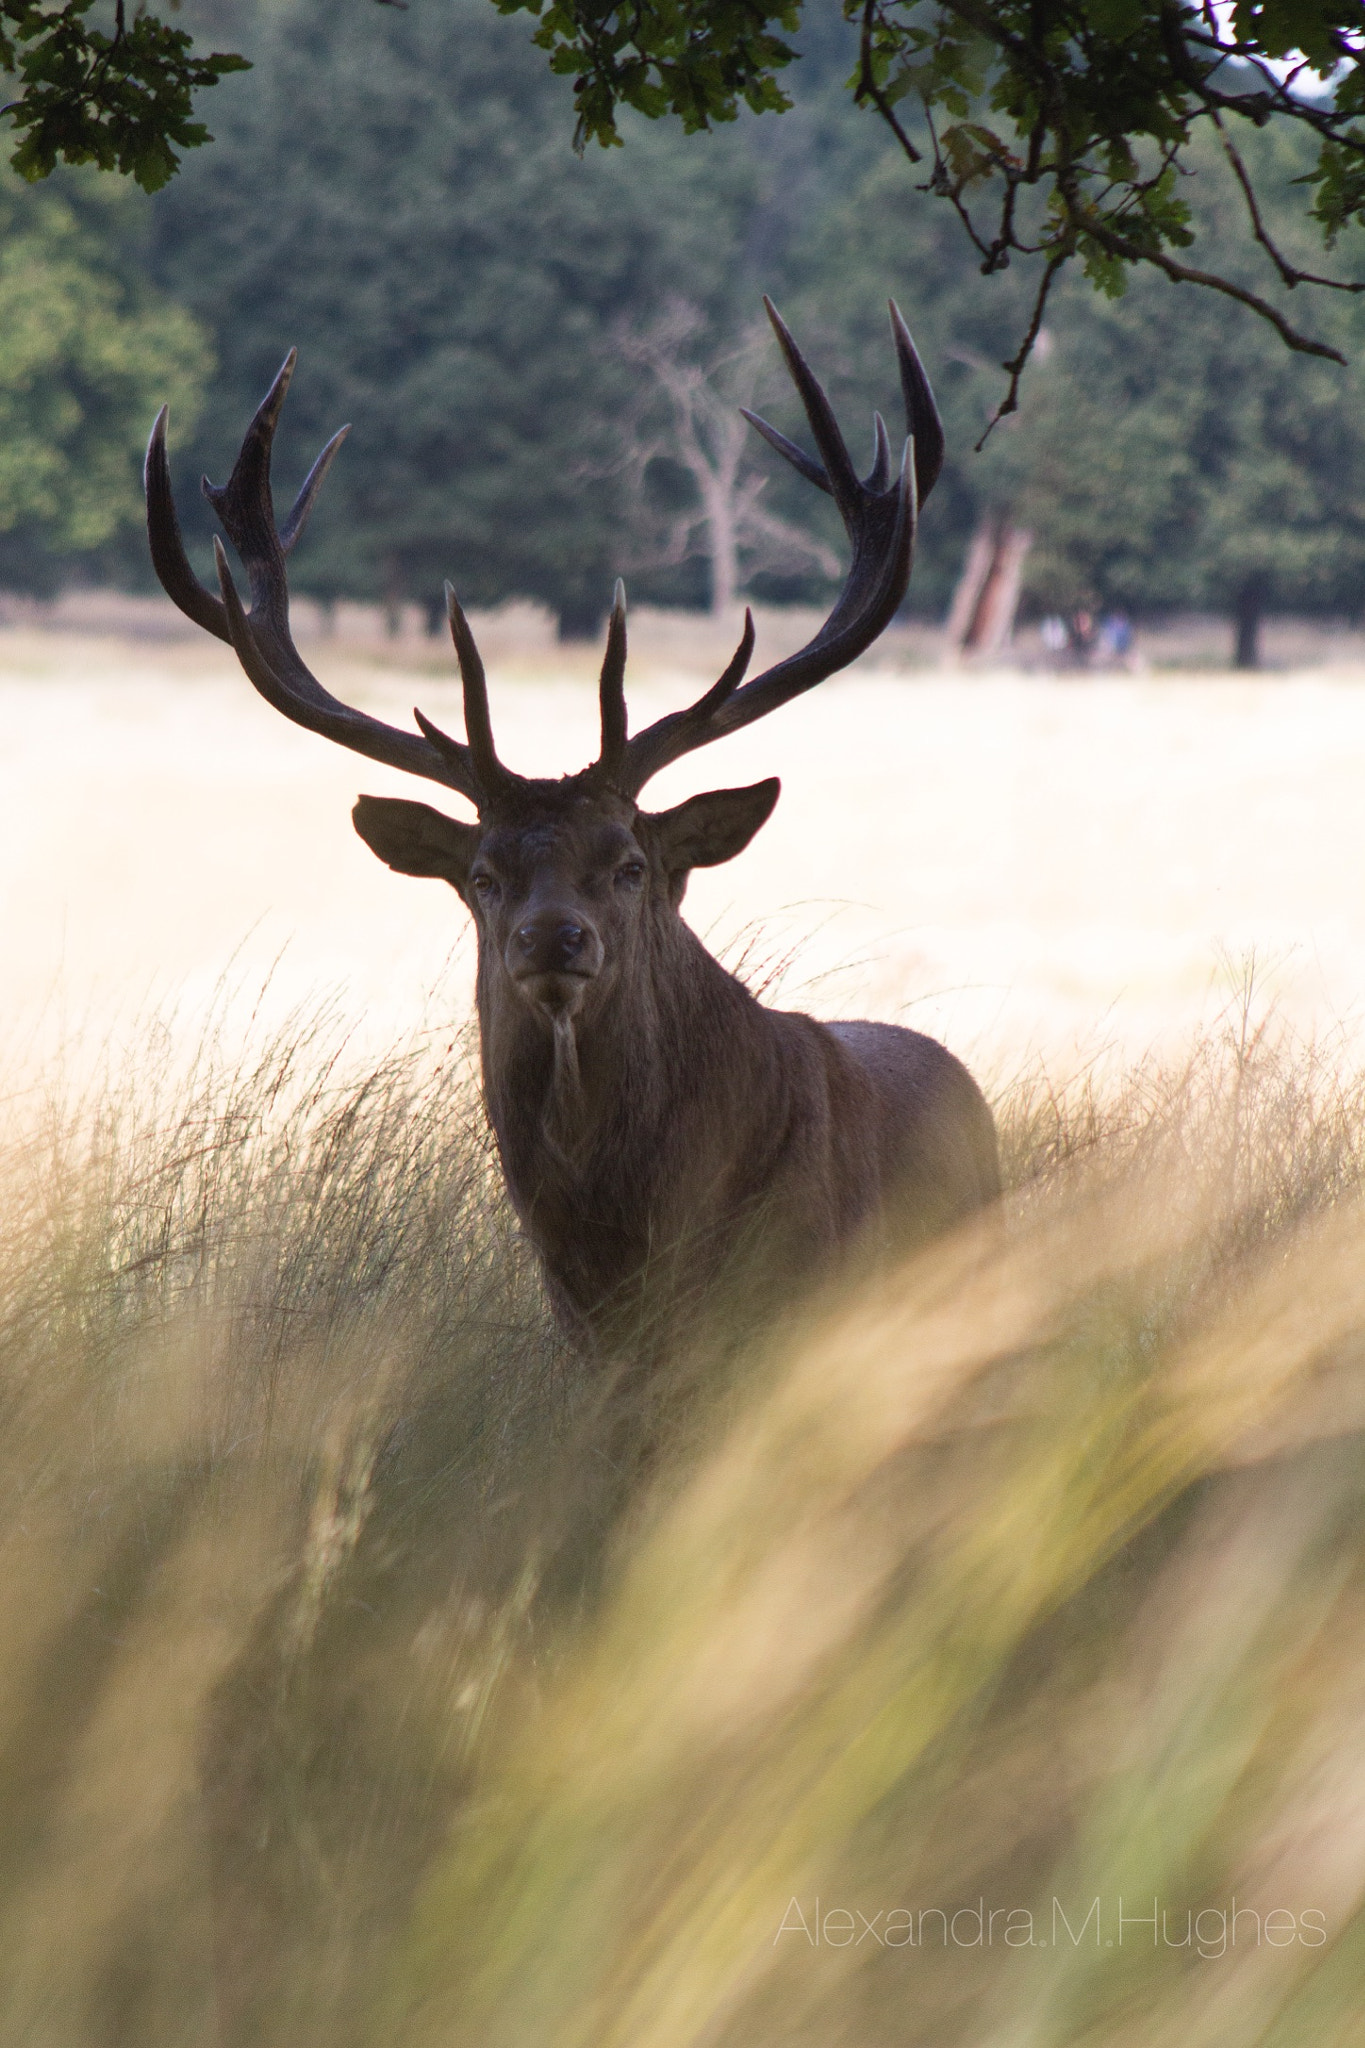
652 1117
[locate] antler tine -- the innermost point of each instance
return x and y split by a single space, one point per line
308 492
167 544
732 675
879 517
842 478
246 493
629 769
262 639
455 753
922 422
246 506
879 476
478 723
318 711
797 457
611 690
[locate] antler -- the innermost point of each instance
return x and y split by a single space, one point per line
262 638
879 517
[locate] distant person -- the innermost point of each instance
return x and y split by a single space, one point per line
1082 639
1116 639
1056 639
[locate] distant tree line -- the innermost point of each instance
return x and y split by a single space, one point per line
88 348
1060 129
1167 455
394 192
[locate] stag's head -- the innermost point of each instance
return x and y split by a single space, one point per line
564 879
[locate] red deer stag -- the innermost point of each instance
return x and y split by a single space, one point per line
651 1116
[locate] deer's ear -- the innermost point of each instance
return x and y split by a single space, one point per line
416 840
709 829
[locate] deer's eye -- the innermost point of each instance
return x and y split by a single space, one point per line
630 875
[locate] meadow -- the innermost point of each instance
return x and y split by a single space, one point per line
979 1660
1027 866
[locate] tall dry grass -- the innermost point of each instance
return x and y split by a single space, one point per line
362 1683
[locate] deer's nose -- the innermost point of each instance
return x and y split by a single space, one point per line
550 943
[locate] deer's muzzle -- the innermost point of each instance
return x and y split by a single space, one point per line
552 956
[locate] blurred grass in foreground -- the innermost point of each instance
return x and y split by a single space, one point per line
367 1679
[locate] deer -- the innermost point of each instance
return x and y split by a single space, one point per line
658 1126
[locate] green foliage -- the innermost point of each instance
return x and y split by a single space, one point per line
457 282
1072 119
665 58
1167 454
121 97
396 195
87 351
1170 455
1179 468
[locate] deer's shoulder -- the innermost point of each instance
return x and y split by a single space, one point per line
933 1112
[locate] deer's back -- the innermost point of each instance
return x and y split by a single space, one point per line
924 1118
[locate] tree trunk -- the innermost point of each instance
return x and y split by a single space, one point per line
987 595
1247 613
993 625
970 585
393 599
718 498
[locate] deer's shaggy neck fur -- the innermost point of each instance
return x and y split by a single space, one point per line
643 1142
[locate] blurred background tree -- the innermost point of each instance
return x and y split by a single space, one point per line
1168 454
396 196
88 350
1172 456
702 489
394 192
1053 128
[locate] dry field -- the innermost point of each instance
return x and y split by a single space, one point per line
978 1665
1027 865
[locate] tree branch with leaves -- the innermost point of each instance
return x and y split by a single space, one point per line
113 90
1056 129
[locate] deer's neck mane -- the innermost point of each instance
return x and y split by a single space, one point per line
620 1136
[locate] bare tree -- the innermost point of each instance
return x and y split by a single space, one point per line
701 427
